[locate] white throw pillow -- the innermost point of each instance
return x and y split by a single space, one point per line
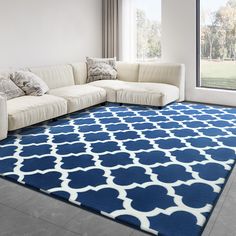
101 69
30 83
8 87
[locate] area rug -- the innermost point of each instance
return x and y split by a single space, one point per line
160 171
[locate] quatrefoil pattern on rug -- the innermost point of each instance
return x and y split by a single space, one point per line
161 171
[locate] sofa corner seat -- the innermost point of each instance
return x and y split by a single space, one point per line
79 97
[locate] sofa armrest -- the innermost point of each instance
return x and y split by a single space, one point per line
3 116
168 73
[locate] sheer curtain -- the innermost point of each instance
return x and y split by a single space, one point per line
127 25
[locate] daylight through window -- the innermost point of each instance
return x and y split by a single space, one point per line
148 29
141 30
217 43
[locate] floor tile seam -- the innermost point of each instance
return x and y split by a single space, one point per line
40 218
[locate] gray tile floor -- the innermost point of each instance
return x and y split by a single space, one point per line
24 212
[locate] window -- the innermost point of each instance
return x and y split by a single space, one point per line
148 25
217 43
141 30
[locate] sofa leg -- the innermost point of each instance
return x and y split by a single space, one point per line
55 119
103 104
159 107
120 104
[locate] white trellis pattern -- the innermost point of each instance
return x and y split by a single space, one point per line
159 170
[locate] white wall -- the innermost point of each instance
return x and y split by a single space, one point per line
179 45
44 32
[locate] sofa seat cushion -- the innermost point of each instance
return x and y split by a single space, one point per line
151 94
111 87
29 110
80 96
55 76
128 71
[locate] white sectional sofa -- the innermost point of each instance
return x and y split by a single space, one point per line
154 84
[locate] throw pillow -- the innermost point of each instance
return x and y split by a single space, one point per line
30 83
8 87
101 69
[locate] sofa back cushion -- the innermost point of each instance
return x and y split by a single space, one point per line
128 71
168 73
161 73
55 76
80 72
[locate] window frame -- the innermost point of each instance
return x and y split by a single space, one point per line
198 44
198 51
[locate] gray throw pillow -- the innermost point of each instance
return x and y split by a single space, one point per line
8 87
101 69
30 83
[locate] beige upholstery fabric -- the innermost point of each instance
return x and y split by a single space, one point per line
28 110
3 116
128 71
80 72
173 74
153 94
111 87
80 96
148 94
55 76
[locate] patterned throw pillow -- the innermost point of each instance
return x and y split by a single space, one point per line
30 83
8 87
101 69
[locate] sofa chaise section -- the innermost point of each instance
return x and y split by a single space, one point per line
153 84
164 73
150 94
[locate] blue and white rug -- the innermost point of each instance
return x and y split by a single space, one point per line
158 170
